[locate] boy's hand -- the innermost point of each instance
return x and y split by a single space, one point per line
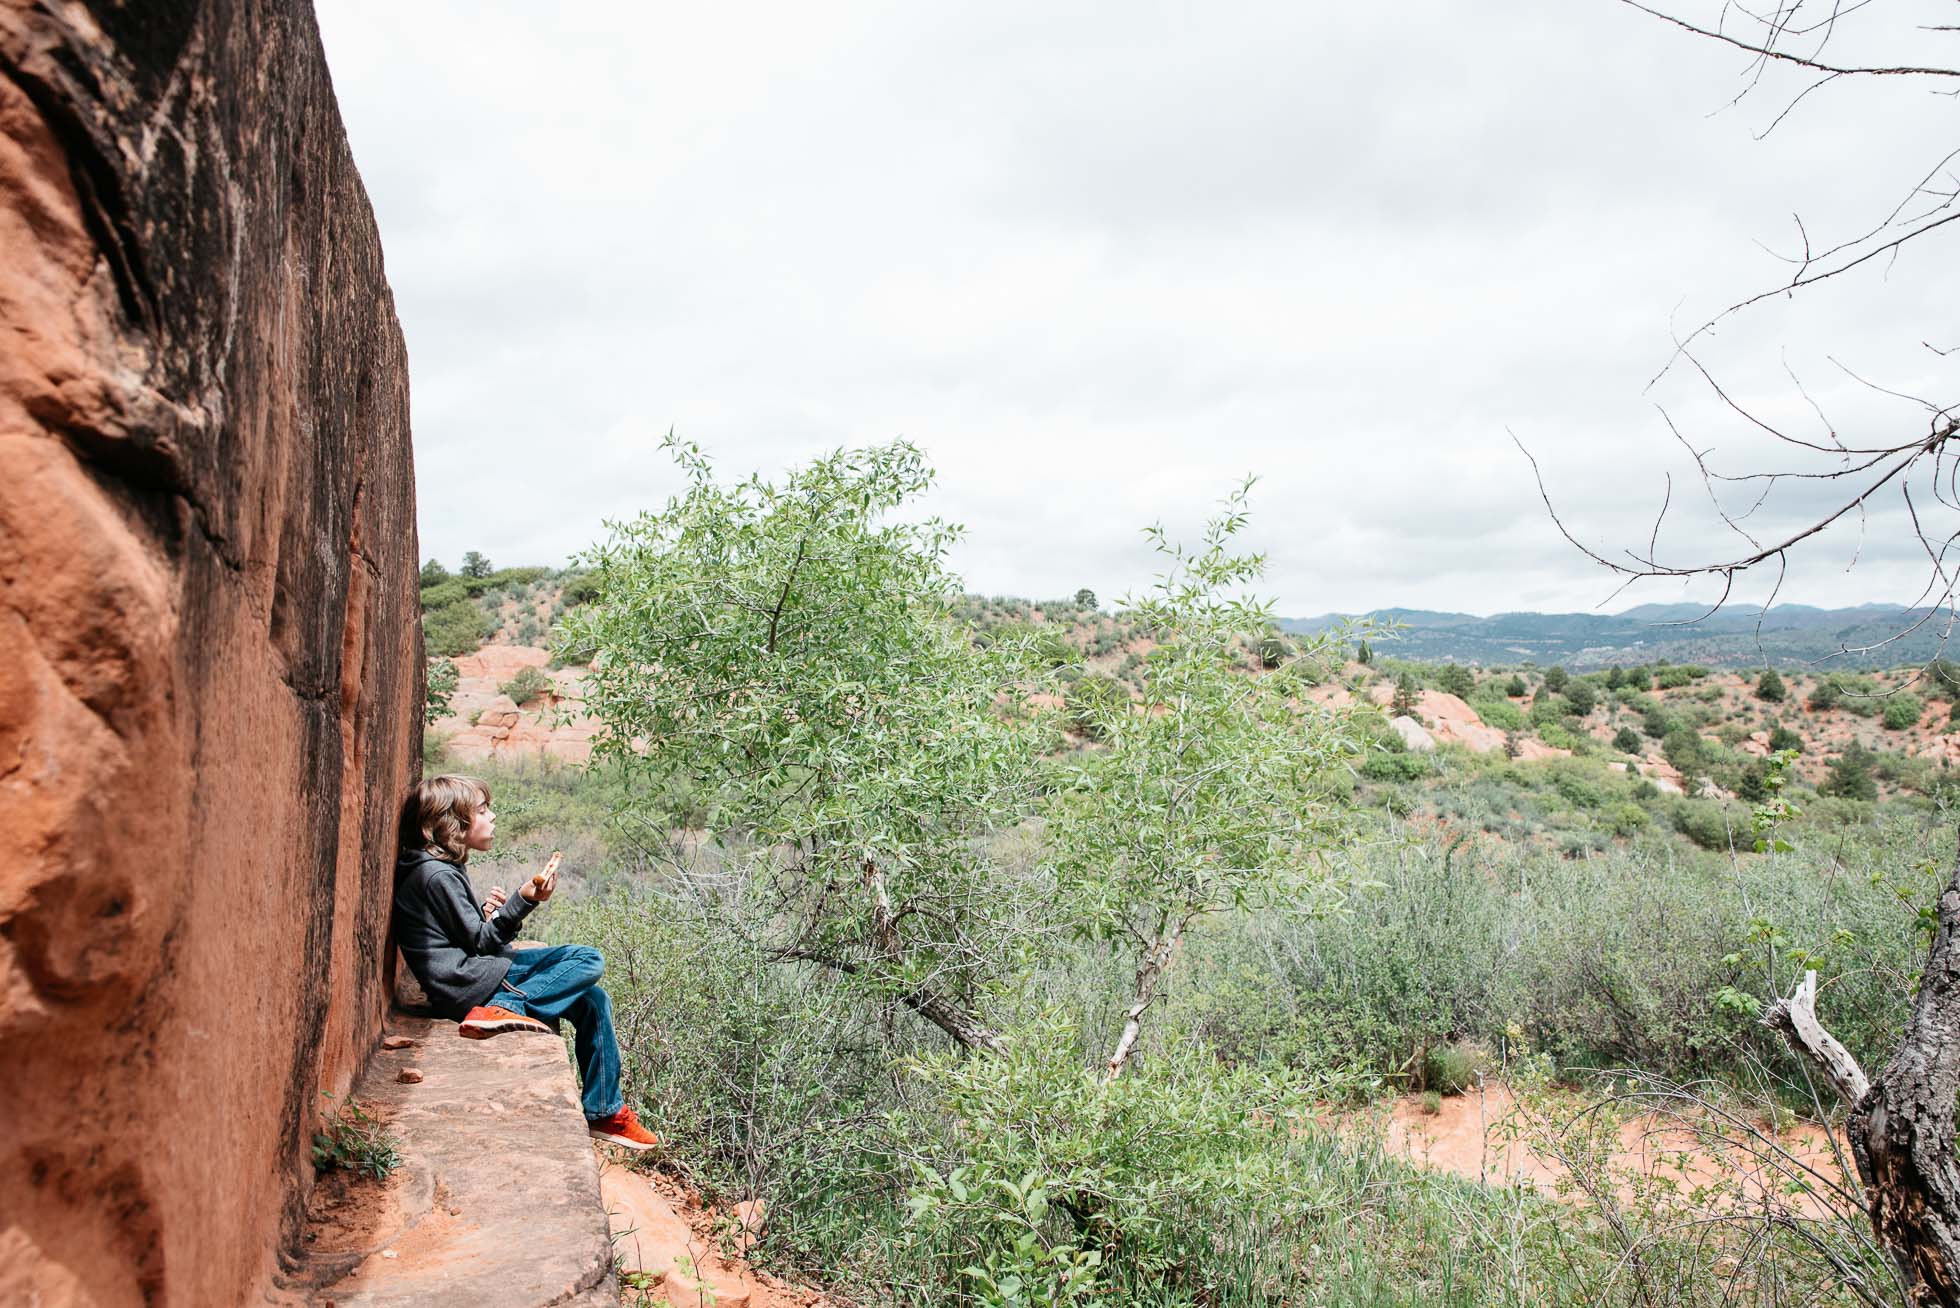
539 888
494 900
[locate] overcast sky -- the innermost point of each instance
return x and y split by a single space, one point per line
1101 261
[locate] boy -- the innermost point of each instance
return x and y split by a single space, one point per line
459 953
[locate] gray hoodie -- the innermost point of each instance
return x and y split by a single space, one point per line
455 952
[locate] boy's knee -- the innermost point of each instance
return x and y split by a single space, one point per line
592 959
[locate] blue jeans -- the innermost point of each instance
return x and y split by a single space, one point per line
563 982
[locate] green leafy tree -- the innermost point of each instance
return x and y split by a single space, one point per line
1782 739
433 572
1902 710
1615 677
1824 695
788 649
1364 653
1456 680
1770 687
475 565
1273 650
1555 679
1085 599
1850 775
441 688
1215 791
1627 741
1581 696
1515 687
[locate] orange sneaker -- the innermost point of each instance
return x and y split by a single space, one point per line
622 1128
482 1023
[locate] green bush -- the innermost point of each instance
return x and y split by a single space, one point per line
455 628
1454 1067
1850 775
1710 825
527 685
444 592
1499 713
1770 688
1678 675
1405 766
1558 736
433 572
1549 708
1581 696
1516 688
1781 738
1902 710
1457 680
1824 695
1627 741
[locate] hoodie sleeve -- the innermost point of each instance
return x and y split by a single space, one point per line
463 922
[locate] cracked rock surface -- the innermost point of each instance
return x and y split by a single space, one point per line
210 657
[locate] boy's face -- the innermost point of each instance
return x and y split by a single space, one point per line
483 828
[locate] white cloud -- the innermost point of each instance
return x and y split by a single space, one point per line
1100 262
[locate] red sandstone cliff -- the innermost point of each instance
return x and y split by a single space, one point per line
209 654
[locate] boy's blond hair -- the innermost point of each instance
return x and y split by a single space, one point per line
436 815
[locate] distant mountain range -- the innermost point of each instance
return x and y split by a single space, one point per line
1790 635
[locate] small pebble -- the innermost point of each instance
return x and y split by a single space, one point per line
455 1212
397 1042
389 1253
409 1075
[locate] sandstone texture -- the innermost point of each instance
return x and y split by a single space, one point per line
483 722
496 1203
210 661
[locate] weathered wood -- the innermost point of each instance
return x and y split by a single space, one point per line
1901 1128
1796 1018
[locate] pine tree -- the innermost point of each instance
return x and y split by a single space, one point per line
1406 697
1769 687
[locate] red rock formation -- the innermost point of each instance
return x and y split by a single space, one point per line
209 654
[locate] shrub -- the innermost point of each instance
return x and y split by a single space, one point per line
455 628
1627 741
1824 695
353 1141
1707 823
1404 766
527 685
1685 750
1273 651
1850 775
1457 680
1902 710
1627 818
1557 736
1500 713
433 572
1555 679
1770 688
1657 723
1581 696
475 565
1516 688
1454 1067
1781 738
443 593
1549 708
